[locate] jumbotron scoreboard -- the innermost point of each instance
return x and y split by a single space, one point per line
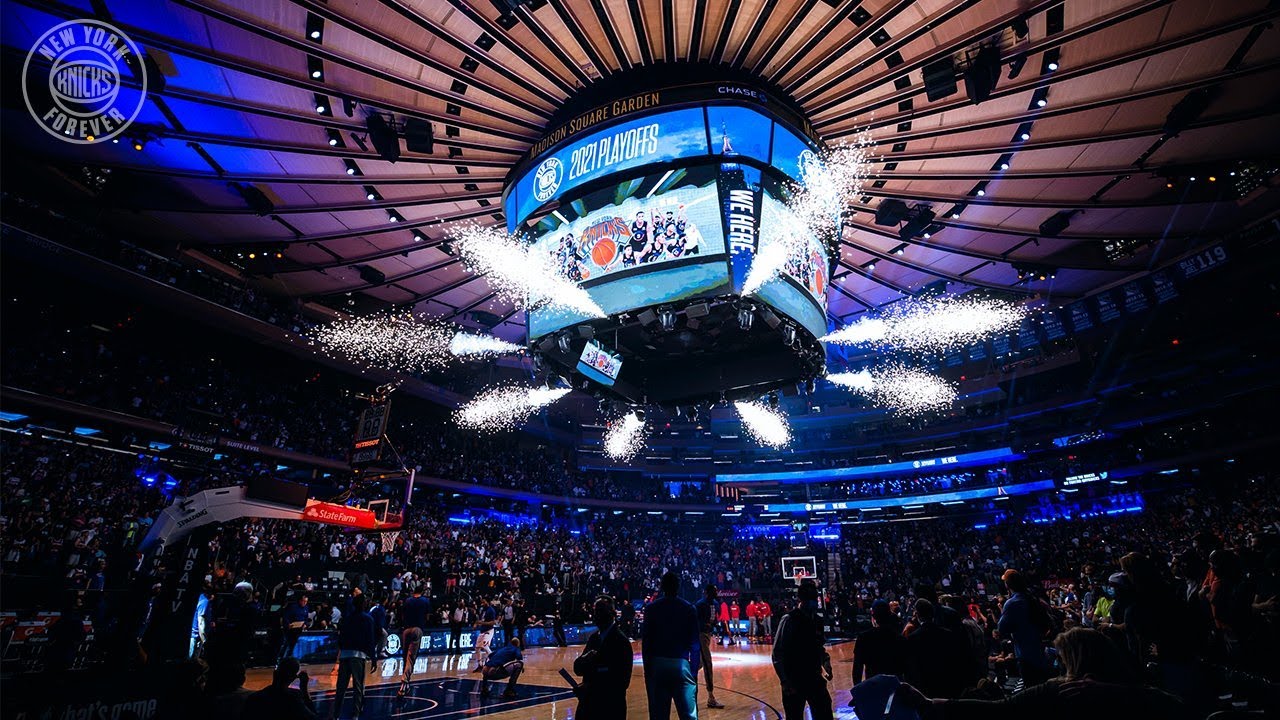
655 202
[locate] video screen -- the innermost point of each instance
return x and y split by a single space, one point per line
650 139
653 239
808 267
599 364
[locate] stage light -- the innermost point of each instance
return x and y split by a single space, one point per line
1050 62
384 137
335 137
370 193
352 167
394 216
322 104
417 237
315 67
315 26
1025 136
870 266
667 318
1053 66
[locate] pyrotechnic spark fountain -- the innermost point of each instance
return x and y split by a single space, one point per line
764 424
941 324
465 344
904 390
519 273
827 185
625 437
504 408
398 341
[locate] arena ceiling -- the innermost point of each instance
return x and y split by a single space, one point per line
243 80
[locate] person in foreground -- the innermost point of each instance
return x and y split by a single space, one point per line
1100 682
800 658
506 663
357 643
605 667
671 654
278 701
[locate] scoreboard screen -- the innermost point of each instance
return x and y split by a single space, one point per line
367 444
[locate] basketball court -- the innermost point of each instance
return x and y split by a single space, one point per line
444 688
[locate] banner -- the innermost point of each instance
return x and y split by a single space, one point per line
334 514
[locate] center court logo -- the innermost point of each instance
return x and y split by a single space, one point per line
547 179
71 81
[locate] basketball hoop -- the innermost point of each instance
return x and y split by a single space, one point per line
389 540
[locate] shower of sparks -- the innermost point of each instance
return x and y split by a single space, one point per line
466 345
764 424
520 274
940 324
828 183
398 341
625 437
505 408
903 390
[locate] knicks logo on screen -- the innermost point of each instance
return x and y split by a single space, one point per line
546 181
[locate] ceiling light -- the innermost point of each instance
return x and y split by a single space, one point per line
417 237
1004 166
1053 66
315 34
316 74
982 193
1042 102
352 167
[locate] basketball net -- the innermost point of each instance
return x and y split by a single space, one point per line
389 540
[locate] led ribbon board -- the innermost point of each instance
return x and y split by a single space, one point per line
980 457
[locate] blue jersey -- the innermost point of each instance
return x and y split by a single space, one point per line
504 655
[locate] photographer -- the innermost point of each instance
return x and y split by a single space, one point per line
605 666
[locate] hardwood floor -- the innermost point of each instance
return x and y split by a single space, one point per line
444 688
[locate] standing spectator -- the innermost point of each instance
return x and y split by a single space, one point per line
293 620
506 663
935 664
508 619
356 645
670 650
706 610
800 659
753 627
278 701
605 667
735 615
1025 621
882 650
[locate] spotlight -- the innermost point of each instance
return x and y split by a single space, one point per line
315 27
746 316
1004 166
335 137
417 237
1039 98
384 137
352 167
315 67
870 266
370 193
322 104
394 216
1050 62
1025 136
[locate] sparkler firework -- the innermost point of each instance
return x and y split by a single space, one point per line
764 424
904 390
398 341
625 437
827 184
466 344
940 324
520 274
504 408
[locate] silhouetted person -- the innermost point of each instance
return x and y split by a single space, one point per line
605 667
936 665
706 608
278 701
357 643
800 658
669 647
881 650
